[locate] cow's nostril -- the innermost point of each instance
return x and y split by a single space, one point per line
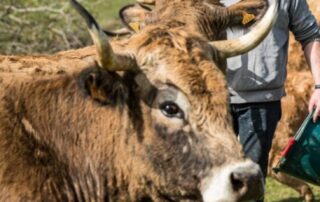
247 182
241 181
237 181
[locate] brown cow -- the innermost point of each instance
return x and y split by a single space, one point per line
294 105
295 109
158 131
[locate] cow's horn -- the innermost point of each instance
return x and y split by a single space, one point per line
245 43
150 2
106 57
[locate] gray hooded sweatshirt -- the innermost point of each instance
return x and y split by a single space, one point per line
259 75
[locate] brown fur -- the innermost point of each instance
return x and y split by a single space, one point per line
58 144
69 133
299 87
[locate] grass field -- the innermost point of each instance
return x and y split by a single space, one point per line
107 10
276 192
37 26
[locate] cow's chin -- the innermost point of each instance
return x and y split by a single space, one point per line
238 182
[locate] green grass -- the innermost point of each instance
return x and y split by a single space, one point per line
111 8
276 192
106 11
37 26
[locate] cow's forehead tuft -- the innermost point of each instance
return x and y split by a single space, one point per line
181 58
165 36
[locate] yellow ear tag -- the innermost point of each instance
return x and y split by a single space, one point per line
247 17
135 26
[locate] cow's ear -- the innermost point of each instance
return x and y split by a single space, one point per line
247 12
105 87
134 16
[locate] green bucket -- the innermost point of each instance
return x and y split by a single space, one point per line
301 157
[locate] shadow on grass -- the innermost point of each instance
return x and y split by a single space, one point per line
292 199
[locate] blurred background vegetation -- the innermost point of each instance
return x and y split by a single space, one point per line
48 26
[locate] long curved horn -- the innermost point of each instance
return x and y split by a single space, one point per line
233 47
106 57
150 2
117 33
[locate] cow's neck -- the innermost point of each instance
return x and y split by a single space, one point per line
84 138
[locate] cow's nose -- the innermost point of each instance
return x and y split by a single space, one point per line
242 181
247 182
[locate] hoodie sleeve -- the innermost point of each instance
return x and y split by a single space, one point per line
302 22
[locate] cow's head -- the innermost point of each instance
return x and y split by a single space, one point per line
177 103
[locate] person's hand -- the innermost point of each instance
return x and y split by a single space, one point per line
314 103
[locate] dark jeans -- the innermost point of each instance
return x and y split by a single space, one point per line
255 124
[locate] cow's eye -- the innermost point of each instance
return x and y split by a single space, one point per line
171 109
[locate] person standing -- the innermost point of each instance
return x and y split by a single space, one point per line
256 79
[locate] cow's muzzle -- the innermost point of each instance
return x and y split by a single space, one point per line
237 182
